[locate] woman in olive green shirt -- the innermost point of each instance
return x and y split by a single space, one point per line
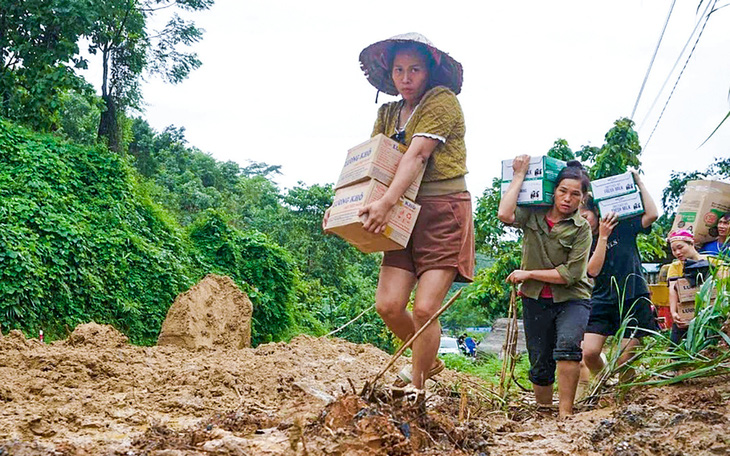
555 289
429 121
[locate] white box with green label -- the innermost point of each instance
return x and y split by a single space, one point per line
614 186
539 185
534 192
624 206
541 167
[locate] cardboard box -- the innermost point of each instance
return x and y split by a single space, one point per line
685 292
625 206
534 192
541 167
344 221
377 158
686 295
686 310
614 186
703 203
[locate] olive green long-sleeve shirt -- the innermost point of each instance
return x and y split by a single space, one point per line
566 248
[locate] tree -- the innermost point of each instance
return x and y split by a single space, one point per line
561 150
621 150
38 44
119 34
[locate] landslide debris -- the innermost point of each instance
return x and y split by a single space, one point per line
214 313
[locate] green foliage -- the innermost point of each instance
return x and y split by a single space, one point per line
80 242
82 239
39 55
249 258
621 151
561 151
488 230
487 368
490 290
79 117
698 354
652 246
463 314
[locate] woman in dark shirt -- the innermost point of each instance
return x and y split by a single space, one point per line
620 290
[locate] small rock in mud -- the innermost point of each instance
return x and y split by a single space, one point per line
41 427
625 449
708 416
603 430
632 415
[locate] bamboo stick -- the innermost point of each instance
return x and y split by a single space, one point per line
394 358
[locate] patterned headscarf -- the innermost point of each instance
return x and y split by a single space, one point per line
680 235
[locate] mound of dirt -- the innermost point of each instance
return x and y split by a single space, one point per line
214 313
15 340
95 335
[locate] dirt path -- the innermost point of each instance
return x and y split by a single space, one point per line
93 394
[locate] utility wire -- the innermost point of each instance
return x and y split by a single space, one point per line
674 67
707 18
651 63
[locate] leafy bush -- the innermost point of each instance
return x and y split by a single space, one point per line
249 258
79 242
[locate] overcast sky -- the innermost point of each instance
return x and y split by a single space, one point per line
281 82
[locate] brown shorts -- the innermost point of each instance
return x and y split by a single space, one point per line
443 237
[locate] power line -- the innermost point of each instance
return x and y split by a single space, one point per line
651 63
674 67
707 18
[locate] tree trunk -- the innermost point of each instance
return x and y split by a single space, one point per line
108 125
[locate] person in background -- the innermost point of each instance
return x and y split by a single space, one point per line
619 289
682 245
428 120
721 244
462 344
555 288
471 346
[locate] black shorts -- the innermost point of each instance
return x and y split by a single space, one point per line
553 332
606 318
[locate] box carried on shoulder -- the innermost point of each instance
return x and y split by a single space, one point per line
541 167
702 205
539 184
377 158
614 186
535 192
344 221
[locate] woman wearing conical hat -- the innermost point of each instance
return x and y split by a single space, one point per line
429 121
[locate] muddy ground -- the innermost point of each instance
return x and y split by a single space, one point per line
94 394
